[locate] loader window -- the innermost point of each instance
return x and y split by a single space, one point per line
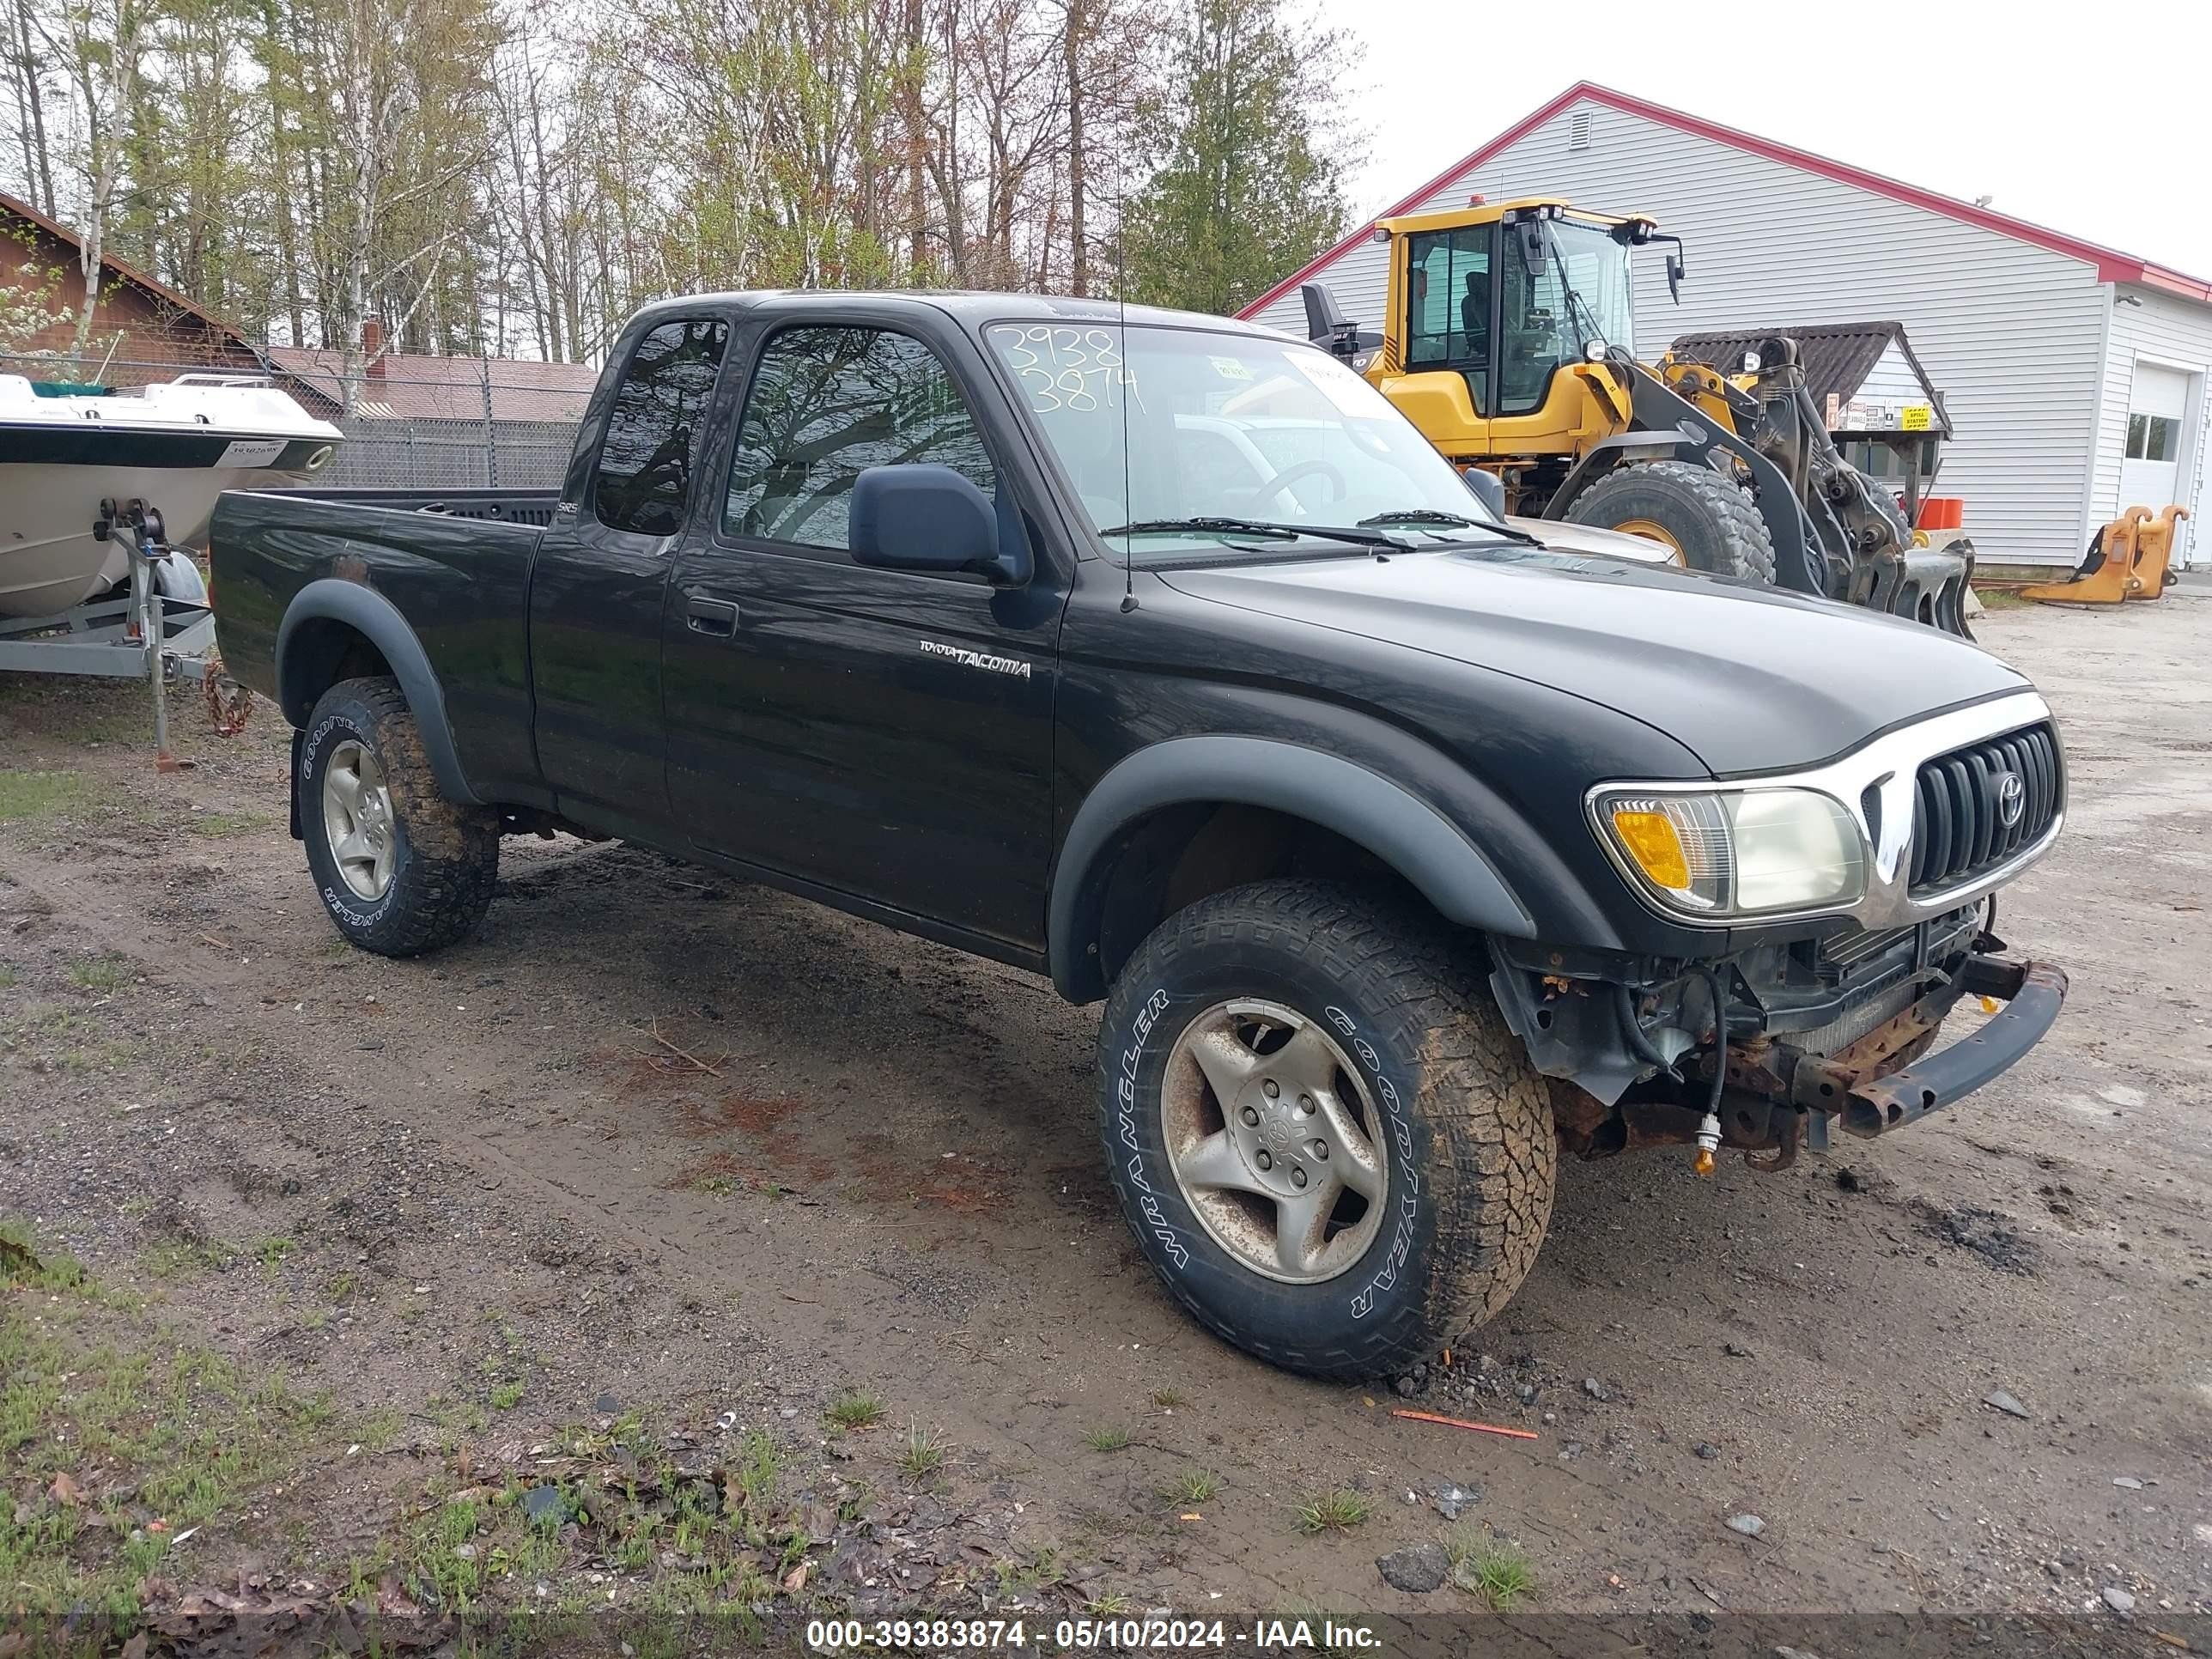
1579 293
1448 304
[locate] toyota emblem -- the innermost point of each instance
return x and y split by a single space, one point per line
2012 798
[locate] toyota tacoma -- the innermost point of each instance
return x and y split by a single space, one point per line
1159 654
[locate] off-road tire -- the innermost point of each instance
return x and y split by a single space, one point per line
447 862
1714 521
1473 1156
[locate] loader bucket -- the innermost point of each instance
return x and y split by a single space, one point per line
2114 571
1923 585
2154 554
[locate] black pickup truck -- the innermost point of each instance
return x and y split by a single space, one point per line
1159 654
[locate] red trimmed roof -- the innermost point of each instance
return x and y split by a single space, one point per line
2112 266
136 278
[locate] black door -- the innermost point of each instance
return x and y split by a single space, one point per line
597 589
885 734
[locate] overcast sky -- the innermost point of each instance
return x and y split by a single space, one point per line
2092 118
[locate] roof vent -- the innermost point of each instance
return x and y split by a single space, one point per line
1578 131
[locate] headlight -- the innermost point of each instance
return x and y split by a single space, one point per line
1737 853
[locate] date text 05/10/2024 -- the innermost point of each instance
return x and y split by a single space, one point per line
1323 1635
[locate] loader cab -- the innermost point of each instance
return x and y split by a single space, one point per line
1496 314
1505 297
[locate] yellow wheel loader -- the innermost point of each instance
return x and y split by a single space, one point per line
1507 340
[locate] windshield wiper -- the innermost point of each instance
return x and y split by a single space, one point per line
1415 515
1209 525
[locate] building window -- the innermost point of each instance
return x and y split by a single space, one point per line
2150 438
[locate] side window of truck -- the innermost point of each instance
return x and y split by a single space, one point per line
653 428
826 403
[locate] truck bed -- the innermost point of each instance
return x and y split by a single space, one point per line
531 506
455 563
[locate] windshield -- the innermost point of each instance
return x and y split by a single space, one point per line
1180 424
1555 306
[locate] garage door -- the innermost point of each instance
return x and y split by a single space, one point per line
2150 471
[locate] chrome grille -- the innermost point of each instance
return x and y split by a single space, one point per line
1959 829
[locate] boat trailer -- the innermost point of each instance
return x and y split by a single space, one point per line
162 631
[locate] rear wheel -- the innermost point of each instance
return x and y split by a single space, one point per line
1706 521
1327 1142
400 869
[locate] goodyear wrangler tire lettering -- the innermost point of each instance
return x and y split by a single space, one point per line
1464 1138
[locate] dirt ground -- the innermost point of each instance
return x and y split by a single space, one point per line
659 1145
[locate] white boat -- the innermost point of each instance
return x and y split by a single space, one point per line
175 445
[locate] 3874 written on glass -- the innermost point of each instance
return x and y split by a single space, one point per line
1067 367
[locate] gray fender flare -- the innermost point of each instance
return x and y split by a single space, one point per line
1405 832
379 620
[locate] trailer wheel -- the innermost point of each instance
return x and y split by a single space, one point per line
400 869
1328 1145
1710 522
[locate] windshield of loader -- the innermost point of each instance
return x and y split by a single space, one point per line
1160 430
1554 307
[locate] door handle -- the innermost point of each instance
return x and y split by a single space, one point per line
715 616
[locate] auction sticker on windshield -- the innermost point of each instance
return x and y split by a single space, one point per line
1350 394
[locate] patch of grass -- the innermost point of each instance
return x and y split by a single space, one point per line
447 1556
1040 1571
109 972
1318 1620
505 1396
269 1250
1168 1398
220 825
1193 1487
2001 599
36 795
713 1185
1108 1437
159 1434
185 1258
1112 1604
759 1470
342 1287
1338 1509
8 976
922 1458
1490 1567
855 1408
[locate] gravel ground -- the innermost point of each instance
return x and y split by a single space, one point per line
721 1156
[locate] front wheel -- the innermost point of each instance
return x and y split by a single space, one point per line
1705 522
400 869
1328 1142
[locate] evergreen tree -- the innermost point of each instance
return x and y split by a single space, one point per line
1249 185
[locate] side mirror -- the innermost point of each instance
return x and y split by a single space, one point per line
1488 489
918 516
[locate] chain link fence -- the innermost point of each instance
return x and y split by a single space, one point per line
417 422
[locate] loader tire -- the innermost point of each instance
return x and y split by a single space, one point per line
1712 524
1293 1041
400 869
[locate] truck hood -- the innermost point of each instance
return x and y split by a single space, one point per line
1747 679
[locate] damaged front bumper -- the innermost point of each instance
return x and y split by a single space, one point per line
1780 1095
2033 992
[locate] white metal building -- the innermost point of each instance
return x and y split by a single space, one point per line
2075 376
